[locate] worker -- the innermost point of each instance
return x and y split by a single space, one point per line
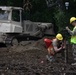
55 47
73 37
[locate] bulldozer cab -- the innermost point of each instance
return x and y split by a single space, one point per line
11 18
10 13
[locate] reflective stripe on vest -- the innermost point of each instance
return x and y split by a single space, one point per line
73 38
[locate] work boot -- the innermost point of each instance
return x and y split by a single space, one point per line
73 64
74 61
50 58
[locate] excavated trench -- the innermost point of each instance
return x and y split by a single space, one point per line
29 58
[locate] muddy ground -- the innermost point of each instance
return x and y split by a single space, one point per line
29 58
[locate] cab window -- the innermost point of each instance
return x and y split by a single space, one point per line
16 15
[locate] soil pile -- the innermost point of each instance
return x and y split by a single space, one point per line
29 58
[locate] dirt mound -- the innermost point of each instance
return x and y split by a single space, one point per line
29 58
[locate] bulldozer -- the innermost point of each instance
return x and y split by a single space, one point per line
13 29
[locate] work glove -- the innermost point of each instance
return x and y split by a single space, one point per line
67 28
63 46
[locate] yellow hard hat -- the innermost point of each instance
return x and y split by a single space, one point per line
72 19
59 36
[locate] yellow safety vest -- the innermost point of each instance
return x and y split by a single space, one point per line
73 38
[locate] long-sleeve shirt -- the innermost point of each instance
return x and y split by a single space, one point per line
72 32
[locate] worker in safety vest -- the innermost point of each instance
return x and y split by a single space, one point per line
54 47
73 37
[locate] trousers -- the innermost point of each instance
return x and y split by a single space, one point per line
74 51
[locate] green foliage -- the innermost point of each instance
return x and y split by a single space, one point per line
11 3
44 16
40 11
60 19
